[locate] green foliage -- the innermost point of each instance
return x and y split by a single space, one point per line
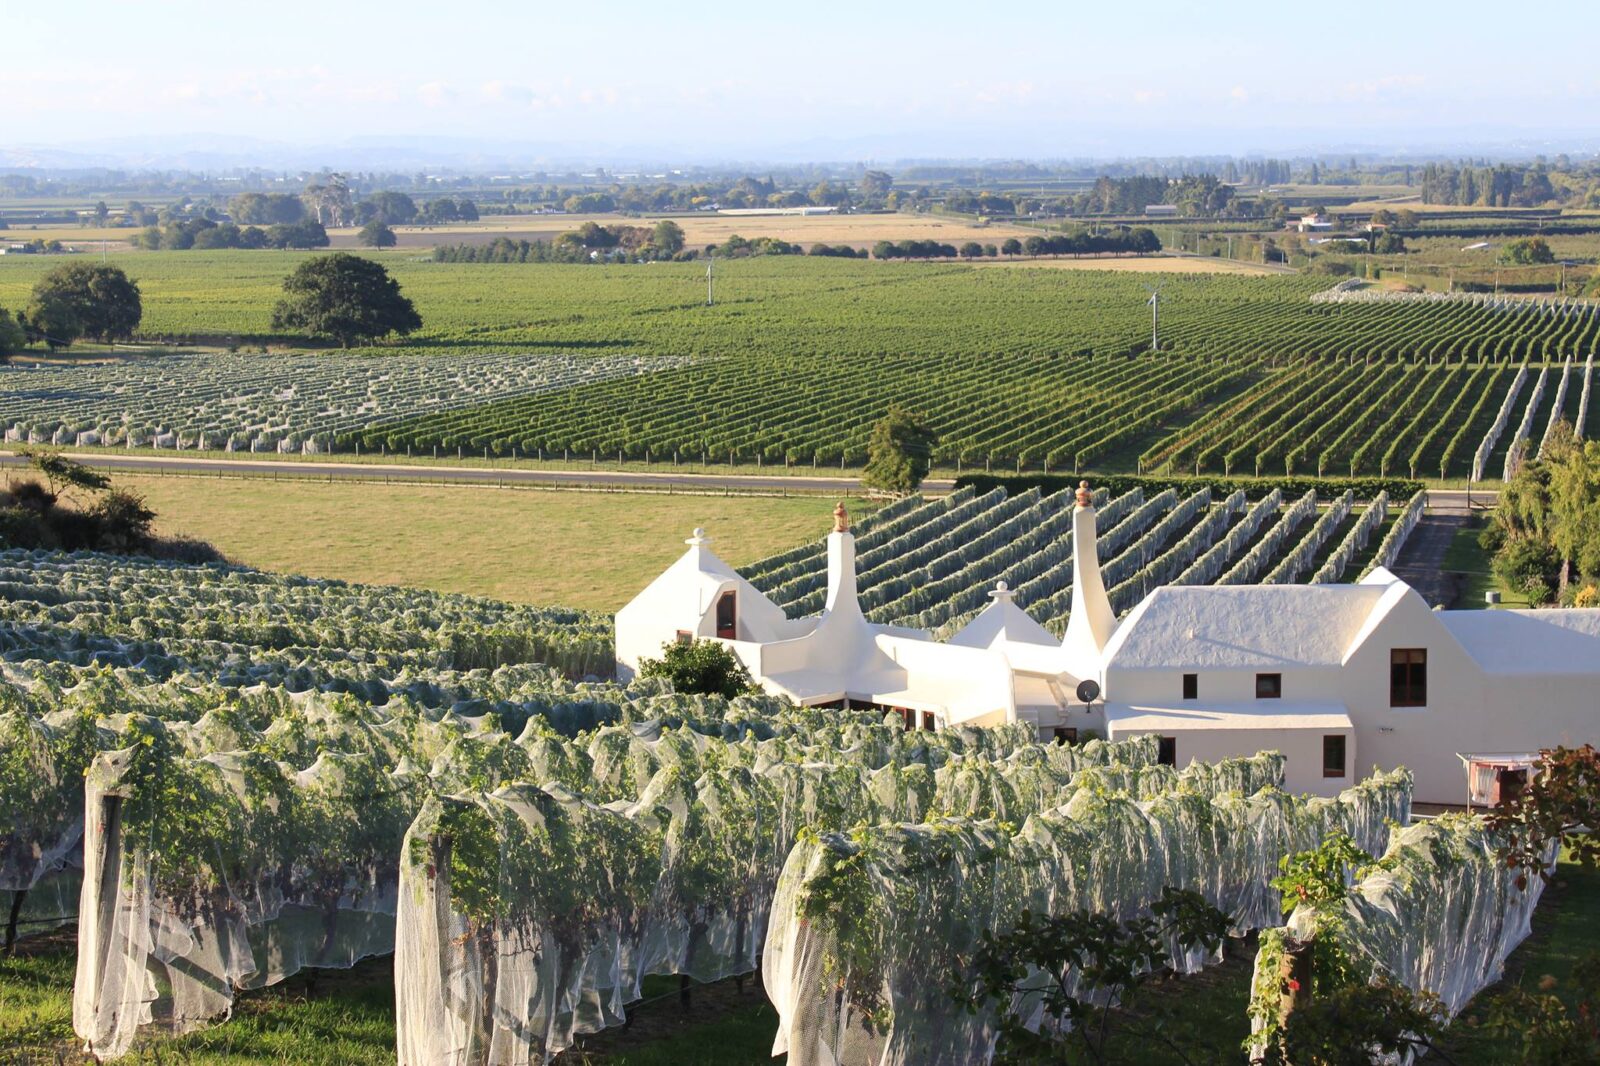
1553 809
64 475
1361 1022
345 297
12 335
91 300
1320 877
377 234
1075 965
703 667
898 453
1528 251
1547 1031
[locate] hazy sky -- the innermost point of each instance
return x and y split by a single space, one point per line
718 80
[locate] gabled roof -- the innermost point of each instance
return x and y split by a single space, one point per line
1243 626
1565 641
1001 623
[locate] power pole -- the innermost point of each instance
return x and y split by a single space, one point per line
710 281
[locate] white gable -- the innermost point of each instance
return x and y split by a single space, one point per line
1529 642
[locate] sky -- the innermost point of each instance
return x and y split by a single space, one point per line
821 80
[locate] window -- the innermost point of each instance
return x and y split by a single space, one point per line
908 718
727 617
1333 755
1066 734
928 722
1408 677
1191 686
1167 751
685 637
1269 686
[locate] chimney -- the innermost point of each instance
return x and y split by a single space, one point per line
1091 623
842 564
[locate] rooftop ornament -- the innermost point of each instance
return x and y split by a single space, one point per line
1084 497
1002 593
841 519
699 538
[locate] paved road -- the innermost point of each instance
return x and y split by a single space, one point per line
146 463
1421 561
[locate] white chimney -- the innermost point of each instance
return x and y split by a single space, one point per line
842 565
1092 621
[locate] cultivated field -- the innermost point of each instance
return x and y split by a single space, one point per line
1020 369
701 228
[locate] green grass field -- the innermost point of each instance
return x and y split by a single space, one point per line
579 549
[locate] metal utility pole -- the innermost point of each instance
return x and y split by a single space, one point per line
710 281
1155 318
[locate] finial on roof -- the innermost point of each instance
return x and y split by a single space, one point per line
841 519
1002 592
699 538
1085 499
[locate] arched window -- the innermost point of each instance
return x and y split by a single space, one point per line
727 616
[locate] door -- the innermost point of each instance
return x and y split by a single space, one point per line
727 617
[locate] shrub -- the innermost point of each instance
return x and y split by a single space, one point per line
701 667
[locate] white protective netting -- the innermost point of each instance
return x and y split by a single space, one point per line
1439 912
869 930
495 966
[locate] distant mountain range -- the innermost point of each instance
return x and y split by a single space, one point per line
228 152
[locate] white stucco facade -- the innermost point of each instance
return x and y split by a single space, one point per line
1340 678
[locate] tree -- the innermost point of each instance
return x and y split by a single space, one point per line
972 250
329 202
265 209
700 667
390 208
84 300
344 297
899 452
1012 246
1074 966
64 475
376 234
875 185
307 234
1529 251
668 237
12 337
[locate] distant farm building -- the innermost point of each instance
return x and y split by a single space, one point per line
1161 210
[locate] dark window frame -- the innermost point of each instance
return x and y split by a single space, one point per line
1408 677
728 630
1269 686
1167 751
1332 742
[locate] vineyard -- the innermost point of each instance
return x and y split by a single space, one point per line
280 403
1016 369
226 776
931 564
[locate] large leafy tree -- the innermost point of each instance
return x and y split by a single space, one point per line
93 300
346 298
899 452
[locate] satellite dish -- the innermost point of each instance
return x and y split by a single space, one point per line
1088 691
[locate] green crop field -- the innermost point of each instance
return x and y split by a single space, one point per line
1022 369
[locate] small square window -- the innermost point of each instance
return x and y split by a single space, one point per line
1191 686
1269 686
1167 751
1408 677
1333 755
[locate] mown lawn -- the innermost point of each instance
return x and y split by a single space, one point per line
593 550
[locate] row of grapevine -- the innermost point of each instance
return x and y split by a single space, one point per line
1354 541
1389 548
1299 558
1514 453
1501 419
921 897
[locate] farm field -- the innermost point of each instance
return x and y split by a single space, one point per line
592 550
1036 369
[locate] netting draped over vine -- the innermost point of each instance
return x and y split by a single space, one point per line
869 928
1439 912
708 827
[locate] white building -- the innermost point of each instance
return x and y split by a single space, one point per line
1337 677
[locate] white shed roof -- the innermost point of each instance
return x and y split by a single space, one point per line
1529 642
1242 626
1255 716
